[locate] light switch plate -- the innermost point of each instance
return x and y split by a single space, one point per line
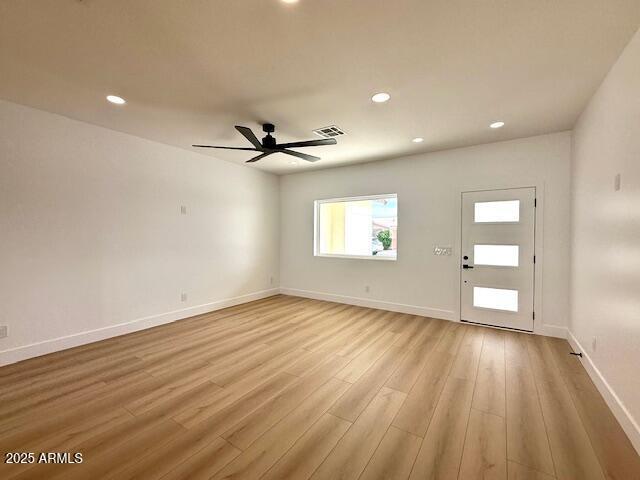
438 250
3 331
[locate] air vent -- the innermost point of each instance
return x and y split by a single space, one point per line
329 132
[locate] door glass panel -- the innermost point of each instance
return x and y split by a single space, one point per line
496 255
495 298
495 212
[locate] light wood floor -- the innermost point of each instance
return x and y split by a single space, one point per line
290 388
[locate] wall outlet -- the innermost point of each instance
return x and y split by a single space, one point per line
366 288
594 344
183 297
183 209
3 331
616 182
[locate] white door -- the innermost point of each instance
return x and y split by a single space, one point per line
497 257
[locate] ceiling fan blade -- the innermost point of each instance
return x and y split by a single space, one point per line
255 159
309 143
249 135
228 148
304 156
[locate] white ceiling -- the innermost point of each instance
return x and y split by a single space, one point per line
192 69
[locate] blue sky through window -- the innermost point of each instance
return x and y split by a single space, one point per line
385 208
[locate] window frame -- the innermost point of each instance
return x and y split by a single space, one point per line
316 226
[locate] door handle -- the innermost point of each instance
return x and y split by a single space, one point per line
466 267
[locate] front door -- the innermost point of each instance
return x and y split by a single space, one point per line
497 264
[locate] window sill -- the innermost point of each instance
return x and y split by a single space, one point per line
359 257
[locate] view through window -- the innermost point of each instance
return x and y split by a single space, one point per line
357 227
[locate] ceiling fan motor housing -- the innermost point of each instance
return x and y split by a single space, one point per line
268 141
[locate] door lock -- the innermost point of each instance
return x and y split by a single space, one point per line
466 267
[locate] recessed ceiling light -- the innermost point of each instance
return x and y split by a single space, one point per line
381 97
293 162
497 125
418 140
289 1
117 100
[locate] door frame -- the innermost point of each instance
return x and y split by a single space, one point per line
538 322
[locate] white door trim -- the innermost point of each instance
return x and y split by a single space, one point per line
539 327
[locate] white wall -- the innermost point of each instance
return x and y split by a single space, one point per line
428 188
92 237
605 290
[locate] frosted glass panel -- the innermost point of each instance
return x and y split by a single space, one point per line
496 298
502 211
496 255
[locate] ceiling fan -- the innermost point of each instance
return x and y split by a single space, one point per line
269 145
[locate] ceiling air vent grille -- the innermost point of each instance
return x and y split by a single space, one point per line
328 132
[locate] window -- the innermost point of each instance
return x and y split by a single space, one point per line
496 255
495 298
360 227
497 212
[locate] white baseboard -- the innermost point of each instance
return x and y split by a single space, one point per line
624 417
367 302
551 331
17 354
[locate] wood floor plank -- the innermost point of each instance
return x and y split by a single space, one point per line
205 463
452 338
103 462
235 391
24 428
441 450
485 452
254 425
229 416
468 355
394 458
354 450
360 364
179 454
310 450
352 403
416 359
258 458
527 441
489 395
522 472
416 412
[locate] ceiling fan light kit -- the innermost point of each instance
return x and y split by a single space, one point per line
269 146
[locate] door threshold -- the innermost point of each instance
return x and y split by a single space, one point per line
497 326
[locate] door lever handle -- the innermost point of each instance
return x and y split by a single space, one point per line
466 267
